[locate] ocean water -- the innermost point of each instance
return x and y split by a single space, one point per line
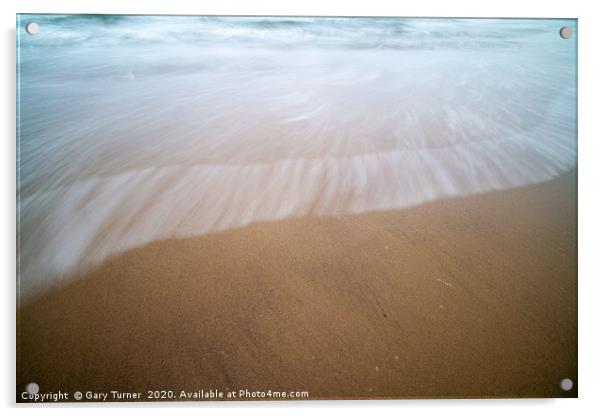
133 129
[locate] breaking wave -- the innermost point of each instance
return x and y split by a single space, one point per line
136 129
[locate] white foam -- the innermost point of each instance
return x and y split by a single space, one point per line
116 152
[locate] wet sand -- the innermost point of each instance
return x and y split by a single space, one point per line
467 297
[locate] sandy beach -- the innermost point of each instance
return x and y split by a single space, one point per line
465 297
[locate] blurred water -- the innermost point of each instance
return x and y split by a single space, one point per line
134 129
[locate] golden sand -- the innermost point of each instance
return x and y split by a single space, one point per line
467 297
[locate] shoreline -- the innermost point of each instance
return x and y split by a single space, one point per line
466 297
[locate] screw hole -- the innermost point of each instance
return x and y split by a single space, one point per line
32 388
32 28
565 32
566 384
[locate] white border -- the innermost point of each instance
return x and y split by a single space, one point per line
590 183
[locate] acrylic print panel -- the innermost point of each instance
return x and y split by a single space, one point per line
296 208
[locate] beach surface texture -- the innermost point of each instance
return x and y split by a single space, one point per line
470 297
347 207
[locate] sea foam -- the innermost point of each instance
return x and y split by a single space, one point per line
137 129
